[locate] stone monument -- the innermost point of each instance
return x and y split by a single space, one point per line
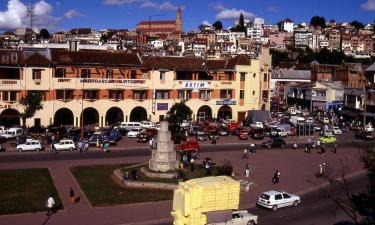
163 158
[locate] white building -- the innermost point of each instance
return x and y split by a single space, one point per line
287 26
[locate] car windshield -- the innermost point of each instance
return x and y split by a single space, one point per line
264 196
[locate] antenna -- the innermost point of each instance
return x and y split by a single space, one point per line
30 14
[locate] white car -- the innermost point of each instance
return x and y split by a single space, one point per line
277 199
30 145
134 132
336 130
12 133
369 128
65 144
325 120
309 120
225 217
147 124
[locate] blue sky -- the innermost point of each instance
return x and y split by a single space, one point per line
100 14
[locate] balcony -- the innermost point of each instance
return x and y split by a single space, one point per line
10 84
100 83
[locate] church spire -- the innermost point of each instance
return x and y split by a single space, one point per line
179 20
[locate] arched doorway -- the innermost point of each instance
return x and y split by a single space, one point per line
224 112
113 116
9 117
264 107
204 113
90 117
138 114
63 116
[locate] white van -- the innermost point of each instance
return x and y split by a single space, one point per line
12 133
130 125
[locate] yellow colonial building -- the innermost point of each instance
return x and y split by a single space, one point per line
103 88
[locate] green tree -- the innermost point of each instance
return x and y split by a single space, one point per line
202 27
44 33
357 25
31 103
318 21
179 112
218 25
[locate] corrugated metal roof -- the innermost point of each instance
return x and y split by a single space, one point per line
291 74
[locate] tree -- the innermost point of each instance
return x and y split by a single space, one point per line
318 21
357 25
179 112
31 103
218 25
44 34
202 27
279 24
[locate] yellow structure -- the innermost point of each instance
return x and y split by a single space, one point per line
195 197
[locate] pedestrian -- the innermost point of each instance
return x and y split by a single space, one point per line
252 148
208 170
322 149
58 136
80 145
184 159
247 170
50 205
53 139
334 147
71 195
213 141
245 156
126 176
106 146
151 143
276 177
295 146
192 164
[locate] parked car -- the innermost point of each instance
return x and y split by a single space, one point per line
113 136
274 142
224 217
310 120
143 137
277 199
188 146
243 135
223 131
369 128
30 145
134 132
256 133
327 138
213 134
2 149
65 144
336 130
364 135
152 132
201 135
96 138
12 133
146 124
325 120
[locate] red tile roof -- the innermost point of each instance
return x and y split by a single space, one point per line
156 22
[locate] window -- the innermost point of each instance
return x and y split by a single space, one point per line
242 76
162 94
265 77
242 94
91 95
254 74
115 94
109 74
184 94
60 72
286 196
37 74
162 75
139 94
42 93
5 58
14 57
278 197
225 94
205 94
85 73
64 95
9 96
253 92
265 94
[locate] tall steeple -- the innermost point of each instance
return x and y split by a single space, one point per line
179 20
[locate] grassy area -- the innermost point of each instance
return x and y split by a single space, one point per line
26 190
102 190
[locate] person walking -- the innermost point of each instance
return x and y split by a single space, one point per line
71 196
50 205
80 145
247 170
252 148
151 143
276 177
245 156
334 147
192 164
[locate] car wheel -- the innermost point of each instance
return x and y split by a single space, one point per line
274 208
251 222
20 149
295 203
71 149
38 149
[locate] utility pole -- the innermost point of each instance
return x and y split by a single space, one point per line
364 104
30 14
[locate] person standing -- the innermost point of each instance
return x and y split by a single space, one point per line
276 177
252 148
192 164
247 170
150 142
71 196
245 156
80 145
50 204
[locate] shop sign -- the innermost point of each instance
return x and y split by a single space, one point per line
194 84
225 102
5 106
162 106
112 81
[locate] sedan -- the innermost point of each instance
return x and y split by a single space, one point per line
336 130
30 145
275 142
328 138
65 144
134 132
277 199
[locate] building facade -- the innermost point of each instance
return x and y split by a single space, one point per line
103 88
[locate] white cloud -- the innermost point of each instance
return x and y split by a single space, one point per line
369 5
205 22
233 14
121 2
162 6
218 6
72 13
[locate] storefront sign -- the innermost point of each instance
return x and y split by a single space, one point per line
225 102
112 81
195 84
63 80
162 106
5 106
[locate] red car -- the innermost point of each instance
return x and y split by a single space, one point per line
243 135
188 146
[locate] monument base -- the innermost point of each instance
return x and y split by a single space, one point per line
147 172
